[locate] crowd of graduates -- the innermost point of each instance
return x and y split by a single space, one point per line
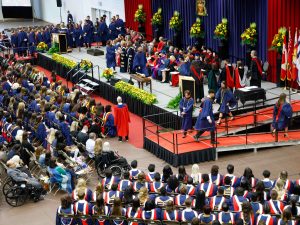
24 40
62 128
197 198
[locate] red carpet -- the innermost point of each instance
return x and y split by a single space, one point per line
136 125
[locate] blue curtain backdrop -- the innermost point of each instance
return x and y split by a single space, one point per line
240 13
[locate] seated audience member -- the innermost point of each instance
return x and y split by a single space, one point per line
141 182
65 208
226 217
286 218
182 196
109 124
109 179
293 207
248 177
143 195
235 182
206 217
188 213
125 182
237 200
266 217
276 206
217 201
82 135
81 185
200 201
209 188
134 172
135 210
117 210
288 185
267 182
150 175
90 145
196 175
246 216
100 209
228 189
281 191
214 176
190 188
170 213
156 185
257 207
82 208
150 212
163 198
99 191
112 194
167 172
182 175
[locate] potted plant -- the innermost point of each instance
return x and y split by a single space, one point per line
197 32
176 24
221 33
157 23
108 73
140 17
42 47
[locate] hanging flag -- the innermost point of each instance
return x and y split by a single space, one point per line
294 64
298 60
290 57
283 61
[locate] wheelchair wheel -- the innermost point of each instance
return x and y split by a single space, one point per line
100 172
16 196
116 170
7 184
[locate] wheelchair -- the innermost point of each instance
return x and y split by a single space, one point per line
113 161
18 187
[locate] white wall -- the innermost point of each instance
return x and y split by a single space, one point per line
48 11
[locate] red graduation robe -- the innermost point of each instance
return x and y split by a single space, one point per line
122 120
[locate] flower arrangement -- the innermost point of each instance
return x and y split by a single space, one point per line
136 93
86 64
54 48
157 17
42 46
175 22
108 73
196 30
174 102
64 61
278 39
249 36
221 30
140 15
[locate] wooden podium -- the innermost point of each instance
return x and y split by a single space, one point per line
187 83
61 40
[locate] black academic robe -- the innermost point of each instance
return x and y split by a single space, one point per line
197 74
255 74
124 60
130 56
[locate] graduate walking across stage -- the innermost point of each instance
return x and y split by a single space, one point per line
282 114
205 120
186 106
225 98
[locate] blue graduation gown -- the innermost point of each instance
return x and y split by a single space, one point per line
223 98
71 37
113 31
202 122
22 41
110 126
32 42
140 62
187 106
14 42
78 33
110 57
104 32
47 37
65 130
120 25
39 38
285 114
184 69
87 30
63 221
41 134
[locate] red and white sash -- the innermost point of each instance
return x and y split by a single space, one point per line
237 205
167 216
273 208
209 190
216 181
153 215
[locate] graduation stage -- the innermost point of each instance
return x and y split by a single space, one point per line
165 139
